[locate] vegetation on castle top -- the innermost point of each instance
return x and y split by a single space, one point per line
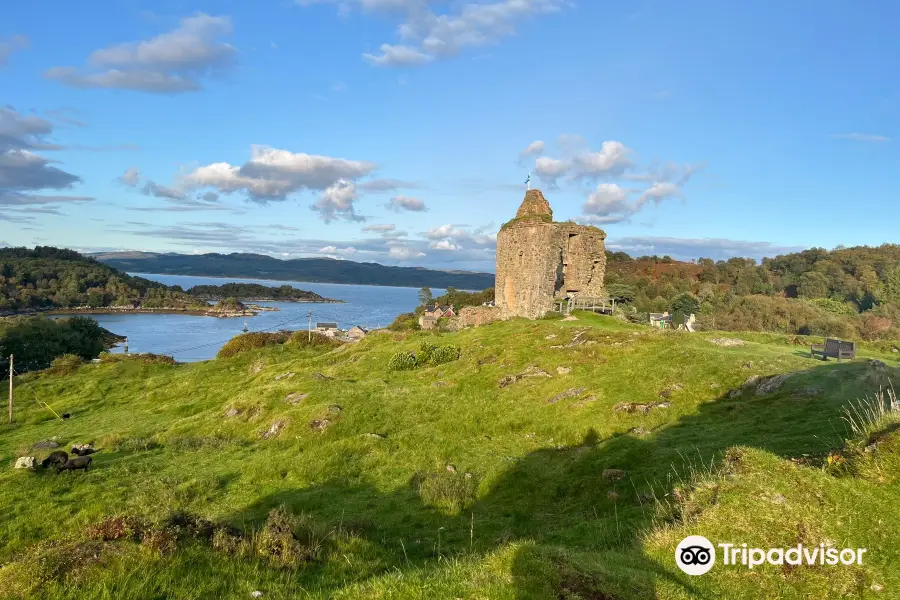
539 218
607 444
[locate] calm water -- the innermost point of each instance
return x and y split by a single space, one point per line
191 338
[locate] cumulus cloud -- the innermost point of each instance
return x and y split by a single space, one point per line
131 177
23 172
612 159
443 245
401 203
273 174
426 35
535 148
156 190
404 253
550 169
336 202
10 45
172 62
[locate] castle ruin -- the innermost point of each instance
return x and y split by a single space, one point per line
539 261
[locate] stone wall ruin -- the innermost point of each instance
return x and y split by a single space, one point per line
539 261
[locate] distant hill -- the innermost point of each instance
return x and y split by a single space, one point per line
320 270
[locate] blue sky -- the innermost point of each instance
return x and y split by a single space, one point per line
401 131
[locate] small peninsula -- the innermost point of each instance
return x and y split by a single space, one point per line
255 292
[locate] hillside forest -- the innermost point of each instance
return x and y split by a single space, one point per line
852 293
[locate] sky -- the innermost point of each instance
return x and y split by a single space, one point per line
402 131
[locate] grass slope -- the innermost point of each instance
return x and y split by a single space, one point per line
466 489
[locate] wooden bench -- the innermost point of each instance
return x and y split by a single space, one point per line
833 348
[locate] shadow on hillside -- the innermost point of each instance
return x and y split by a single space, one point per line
586 524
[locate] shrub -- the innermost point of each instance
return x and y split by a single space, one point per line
250 341
446 490
444 354
145 357
402 361
288 539
303 338
66 364
405 322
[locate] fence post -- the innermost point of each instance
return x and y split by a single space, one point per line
11 373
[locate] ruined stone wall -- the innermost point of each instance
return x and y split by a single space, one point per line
473 316
539 261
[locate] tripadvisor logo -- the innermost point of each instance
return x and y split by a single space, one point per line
696 555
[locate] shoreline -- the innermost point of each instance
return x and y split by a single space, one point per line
325 301
106 310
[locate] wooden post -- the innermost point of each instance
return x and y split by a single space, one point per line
11 372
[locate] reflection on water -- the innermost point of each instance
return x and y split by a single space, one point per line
192 338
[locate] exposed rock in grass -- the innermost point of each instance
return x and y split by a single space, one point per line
529 372
319 424
486 360
613 474
552 336
570 318
335 409
295 398
439 384
563 370
576 340
322 377
635 407
569 393
726 342
747 365
451 469
274 430
284 376
668 391
876 364
375 436
714 386
612 495
26 462
807 392
232 412
772 384
45 445
637 431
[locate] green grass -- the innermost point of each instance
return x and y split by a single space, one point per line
524 511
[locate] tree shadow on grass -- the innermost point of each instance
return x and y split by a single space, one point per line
583 509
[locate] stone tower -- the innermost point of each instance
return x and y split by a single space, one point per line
539 260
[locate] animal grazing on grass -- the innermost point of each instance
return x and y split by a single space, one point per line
73 464
55 458
83 450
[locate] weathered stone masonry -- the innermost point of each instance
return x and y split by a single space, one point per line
539 260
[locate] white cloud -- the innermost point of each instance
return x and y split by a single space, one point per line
380 228
535 148
273 174
426 35
443 245
404 253
336 202
397 55
608 199
171 62
862 137
658 192
131 177
444 231
160 191
550 169
612 159
401 203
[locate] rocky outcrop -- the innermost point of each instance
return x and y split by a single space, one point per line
539 260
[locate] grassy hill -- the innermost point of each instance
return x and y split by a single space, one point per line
575 479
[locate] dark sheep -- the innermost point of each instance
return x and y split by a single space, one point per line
66 416
82 451
73 464
57 457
